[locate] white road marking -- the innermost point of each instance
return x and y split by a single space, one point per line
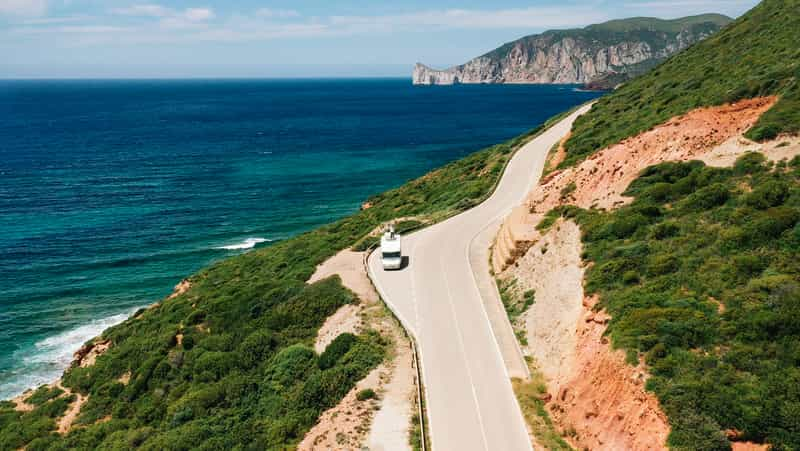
464 354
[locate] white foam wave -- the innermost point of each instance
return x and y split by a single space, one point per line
52 355
249 243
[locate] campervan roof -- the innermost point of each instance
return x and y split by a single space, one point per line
390 242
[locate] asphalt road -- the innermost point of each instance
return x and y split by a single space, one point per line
470 402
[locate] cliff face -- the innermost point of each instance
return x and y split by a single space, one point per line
628 46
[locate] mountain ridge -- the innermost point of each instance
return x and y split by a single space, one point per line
582 55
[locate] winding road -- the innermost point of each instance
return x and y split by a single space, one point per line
470 402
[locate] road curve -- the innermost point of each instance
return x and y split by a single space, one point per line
470 402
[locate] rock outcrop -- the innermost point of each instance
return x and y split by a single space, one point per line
629 47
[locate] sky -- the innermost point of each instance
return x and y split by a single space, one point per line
287 38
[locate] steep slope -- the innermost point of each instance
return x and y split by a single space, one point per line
757 55
623 48
691 270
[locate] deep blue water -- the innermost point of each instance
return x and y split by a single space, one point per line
112 191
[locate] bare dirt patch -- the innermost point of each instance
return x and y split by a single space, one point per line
65 422
349 266
725 154
88 353
389 430
345 319
601 179
604 405
182 287
552 268
19 402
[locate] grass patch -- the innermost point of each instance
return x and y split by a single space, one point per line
366 394
531 395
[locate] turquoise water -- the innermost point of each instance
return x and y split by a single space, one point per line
112 191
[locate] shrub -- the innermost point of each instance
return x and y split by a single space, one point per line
215 363
627 225
528 298
630 277
568 190
366 394
336 349
196 317
707 197
43 394
749 163
665 230
290 364
768 194
256 348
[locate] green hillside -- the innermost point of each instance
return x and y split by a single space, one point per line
657 33
701 277
244 374
756 55
662 25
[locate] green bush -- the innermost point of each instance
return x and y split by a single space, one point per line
771 193
749 163
707 197
256 348
43 394
366 394
336 349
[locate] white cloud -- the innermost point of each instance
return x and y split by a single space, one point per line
70 29
198 14
162 12
147 10
163 24
23 7
52 20
168 18
277 13
530 18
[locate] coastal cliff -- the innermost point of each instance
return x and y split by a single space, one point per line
623 48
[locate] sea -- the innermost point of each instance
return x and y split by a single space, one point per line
112 191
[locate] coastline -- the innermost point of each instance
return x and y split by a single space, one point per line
89 263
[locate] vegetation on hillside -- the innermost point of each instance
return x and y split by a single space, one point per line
754 56
229 364
657 33
701 277
661 25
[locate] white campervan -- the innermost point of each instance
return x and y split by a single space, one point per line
391 255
